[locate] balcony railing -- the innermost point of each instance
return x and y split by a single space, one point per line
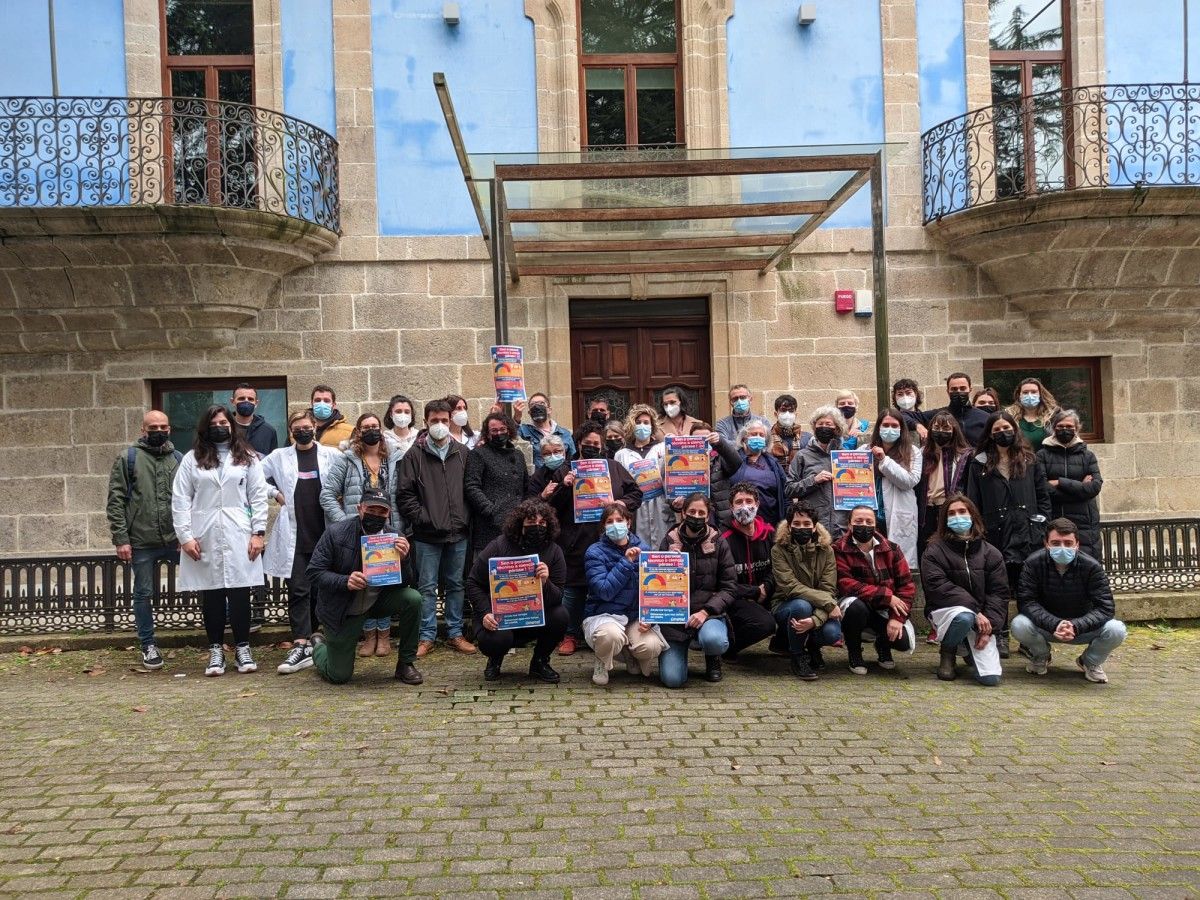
1115 135
106 152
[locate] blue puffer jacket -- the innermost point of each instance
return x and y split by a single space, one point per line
612 579
342 487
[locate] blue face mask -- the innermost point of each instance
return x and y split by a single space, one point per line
890 435
553 461
959 524
322 410
616 531
756 444
1064 556
741 406
1030 401
643 432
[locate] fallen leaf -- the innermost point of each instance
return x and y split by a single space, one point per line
15 829
1157 646
93 671
734 766
24 651
171 654
139 709
1107 762
245 694
303 734
937 760
138 670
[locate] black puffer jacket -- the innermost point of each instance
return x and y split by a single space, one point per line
1074 498
966 573
712 577
723 465
1009 506
496 481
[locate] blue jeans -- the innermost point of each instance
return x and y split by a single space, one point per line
672 664
573 600
441 563
1100 642
956 633
145 570
370 625
825 636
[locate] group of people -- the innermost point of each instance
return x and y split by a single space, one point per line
976 505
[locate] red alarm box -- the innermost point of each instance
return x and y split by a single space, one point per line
843 301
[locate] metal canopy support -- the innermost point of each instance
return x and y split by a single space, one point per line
840 196
499 281
460 148
879 283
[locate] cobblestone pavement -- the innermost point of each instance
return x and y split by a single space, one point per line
139 785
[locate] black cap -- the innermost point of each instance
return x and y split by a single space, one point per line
375 497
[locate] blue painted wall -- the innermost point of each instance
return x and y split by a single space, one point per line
820 84
90 42
307 39
942 60
1143 40
489 63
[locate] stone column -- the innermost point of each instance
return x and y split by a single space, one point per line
355 112
556 49
901 111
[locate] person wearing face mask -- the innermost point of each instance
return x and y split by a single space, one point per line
614 438
739 416
365 462
805 603
531 527
610 615
258 432
749 539
219 513
599 411
877 591
987 399
431 497
971 421
759 467
1073 475
944 458
296 473
1007 483
332 427
857 428
675 418
399 431
1033 406
541 426
724 460
897 472
460 422
139 517
496 479
907 397
966 591
1065 598
345 600
643 440
788 438
810 476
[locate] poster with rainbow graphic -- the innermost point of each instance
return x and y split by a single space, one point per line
648 477
687 465
663 597
508 373
592 488
516 592
381 560
853 479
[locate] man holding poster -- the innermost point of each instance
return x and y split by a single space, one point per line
518 581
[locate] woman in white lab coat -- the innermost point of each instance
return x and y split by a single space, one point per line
297 471
219 508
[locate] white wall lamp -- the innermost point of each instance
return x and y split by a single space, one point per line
807 14
450 13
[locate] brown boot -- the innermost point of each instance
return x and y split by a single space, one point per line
424 648
462 645
367 647
383 642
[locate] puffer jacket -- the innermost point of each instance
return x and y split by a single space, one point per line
808 572
970 573
1009 507
1074 498
612 579
142 520
711 574
342 488
723 464
495 483
802 485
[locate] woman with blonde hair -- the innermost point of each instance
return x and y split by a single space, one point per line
644 441
1033 406
857 428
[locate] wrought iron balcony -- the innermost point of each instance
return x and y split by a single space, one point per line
1103 136
106 152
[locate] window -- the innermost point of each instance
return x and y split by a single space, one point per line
208 66
184 400
1075 384
1029 60
630 72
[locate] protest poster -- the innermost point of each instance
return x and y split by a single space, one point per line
592 489
663 589
648 477
508 368
516 592
687 465
853 479
381 560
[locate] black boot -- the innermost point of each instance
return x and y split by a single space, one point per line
712 668
1002 644
946 659
801 668
816 661
492 671
407 672
539 668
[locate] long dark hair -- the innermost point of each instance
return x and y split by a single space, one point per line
389 422
978 529
205 450
454 400
514 524
931 452
1020 454
902 450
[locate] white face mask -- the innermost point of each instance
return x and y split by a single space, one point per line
671 409
460 418
787 419
439 431
906 401
402 420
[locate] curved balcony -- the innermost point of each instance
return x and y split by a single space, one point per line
154 222
1083 199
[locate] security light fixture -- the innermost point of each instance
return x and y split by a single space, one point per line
808 13
450 13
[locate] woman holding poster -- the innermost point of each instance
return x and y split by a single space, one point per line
530 529
642 456
712 582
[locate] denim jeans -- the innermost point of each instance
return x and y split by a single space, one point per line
441 563
370 625
145 570
672 664
573 599
825 636
1101 642
957 632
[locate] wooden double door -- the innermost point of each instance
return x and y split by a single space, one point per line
629 351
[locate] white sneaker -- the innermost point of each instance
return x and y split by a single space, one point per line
599 674
216 661
245 662
1094 674
299 657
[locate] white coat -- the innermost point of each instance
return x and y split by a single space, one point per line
220 508
653 518
900 503
282 466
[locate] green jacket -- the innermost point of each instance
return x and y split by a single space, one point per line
808 572
145 519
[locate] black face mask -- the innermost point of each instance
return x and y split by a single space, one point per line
498 441
848 411
1064 435
959 402
614 444
694 526
599 415
218 434
825 434
591 453
533 537
245 408
802 535
157 438
1005 438
373 524
372 436
539 413
863 533
942 438
303 435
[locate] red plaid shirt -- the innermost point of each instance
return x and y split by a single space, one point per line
876 586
